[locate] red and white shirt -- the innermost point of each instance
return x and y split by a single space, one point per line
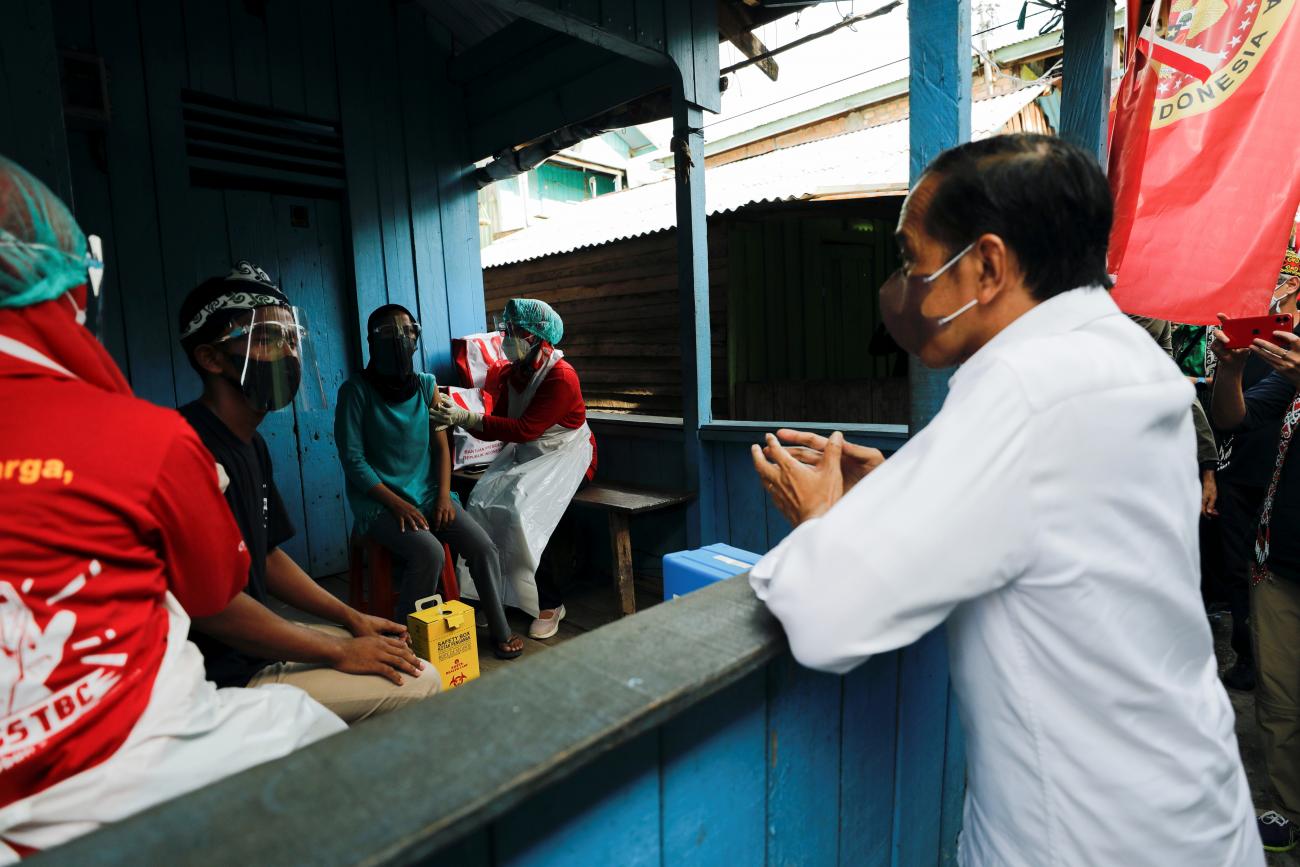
109 502
558 401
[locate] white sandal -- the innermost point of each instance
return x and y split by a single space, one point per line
545 627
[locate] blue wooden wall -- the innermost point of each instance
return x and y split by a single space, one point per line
785 767
405 230
900 790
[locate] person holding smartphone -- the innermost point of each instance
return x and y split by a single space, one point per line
1272 404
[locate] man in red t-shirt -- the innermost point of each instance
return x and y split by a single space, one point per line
115 532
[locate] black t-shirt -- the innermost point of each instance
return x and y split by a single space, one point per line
1252 453
1266 403
260 514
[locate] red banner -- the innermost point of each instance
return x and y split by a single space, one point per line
1206 194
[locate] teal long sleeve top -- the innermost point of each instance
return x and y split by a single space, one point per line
388 443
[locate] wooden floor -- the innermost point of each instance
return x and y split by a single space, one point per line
588 606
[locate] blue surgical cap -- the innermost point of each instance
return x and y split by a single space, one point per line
535 317
42 249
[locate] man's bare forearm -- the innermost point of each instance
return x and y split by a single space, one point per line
250 627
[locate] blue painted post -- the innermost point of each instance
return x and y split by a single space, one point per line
940 89
693 286
940 66
1085 81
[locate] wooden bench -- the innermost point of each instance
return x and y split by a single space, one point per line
620 503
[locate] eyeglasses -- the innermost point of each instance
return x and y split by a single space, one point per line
272 335
389 332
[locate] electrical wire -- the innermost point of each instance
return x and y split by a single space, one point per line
857 74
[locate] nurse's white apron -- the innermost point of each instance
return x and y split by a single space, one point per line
524 493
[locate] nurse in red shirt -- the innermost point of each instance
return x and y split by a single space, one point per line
539 412
115 532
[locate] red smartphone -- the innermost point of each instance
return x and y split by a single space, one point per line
1242 332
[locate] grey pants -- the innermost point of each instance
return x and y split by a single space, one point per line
420 555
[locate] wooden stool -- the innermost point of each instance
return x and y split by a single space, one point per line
377 596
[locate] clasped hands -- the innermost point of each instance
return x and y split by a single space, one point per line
447 413
807 474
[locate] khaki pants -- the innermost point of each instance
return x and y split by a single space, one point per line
353 697
1275 626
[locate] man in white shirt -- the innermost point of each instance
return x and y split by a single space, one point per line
1048 515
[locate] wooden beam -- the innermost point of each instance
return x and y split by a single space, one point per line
1085 80
736 24
602 87
563 22
693 288
507 48
357 798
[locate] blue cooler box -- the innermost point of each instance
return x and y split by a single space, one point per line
685 571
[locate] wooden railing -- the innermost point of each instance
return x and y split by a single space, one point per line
683 735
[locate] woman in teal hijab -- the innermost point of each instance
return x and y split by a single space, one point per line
398 472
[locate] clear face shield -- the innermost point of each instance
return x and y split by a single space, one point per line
274 359
94 312
392 344
516 342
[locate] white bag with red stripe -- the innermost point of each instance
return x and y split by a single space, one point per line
479 360
466 449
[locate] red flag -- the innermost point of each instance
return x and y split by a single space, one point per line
1207 192
1130 128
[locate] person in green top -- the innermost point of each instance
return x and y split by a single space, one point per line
398 473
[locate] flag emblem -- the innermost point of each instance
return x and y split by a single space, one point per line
1210 49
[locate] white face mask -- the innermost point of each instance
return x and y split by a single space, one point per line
1276 304
515 348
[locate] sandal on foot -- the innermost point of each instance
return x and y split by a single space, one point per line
546 627
500 652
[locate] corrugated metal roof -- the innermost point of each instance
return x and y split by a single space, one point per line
872 160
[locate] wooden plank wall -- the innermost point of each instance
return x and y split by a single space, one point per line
406 231
30 102
803 313
620 307
793 307
785 767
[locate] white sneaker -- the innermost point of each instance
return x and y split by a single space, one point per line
546 627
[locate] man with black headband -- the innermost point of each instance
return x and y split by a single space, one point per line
245 340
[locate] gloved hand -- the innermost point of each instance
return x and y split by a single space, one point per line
448 413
